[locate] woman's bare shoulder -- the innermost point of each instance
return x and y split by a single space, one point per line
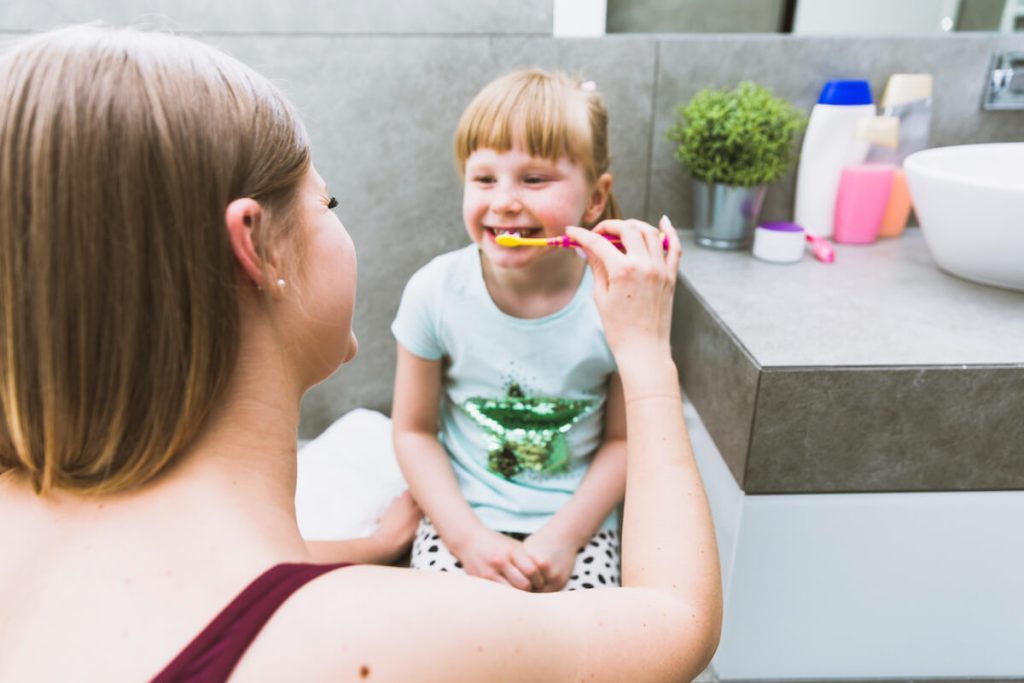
384 624
372 623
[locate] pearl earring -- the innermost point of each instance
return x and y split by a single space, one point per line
281 283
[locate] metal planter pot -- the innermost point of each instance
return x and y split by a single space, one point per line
724 216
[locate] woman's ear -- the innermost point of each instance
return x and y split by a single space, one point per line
598 199
241 218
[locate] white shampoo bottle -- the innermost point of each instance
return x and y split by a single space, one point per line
830 144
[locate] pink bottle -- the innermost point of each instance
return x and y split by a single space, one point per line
861 202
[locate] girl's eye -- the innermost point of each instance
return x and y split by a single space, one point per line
534 179
484 179
332 203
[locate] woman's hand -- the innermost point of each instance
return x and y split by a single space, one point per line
555 558
396 527
633 289
494 556
395 531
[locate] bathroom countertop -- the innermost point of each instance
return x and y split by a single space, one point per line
877 372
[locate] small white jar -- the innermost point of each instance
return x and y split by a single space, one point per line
779 242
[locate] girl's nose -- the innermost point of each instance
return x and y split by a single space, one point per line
505 200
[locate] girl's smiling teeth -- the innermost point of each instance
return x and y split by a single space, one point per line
520 232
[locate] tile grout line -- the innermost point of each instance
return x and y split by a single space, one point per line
650 138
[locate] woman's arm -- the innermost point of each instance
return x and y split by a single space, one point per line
668 537
425 464
553 546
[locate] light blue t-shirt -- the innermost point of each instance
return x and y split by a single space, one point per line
522 411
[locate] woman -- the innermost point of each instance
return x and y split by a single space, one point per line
173 280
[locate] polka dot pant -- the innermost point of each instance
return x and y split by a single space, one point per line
597 563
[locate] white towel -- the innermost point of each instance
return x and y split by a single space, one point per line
347 476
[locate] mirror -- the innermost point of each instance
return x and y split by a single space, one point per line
815 17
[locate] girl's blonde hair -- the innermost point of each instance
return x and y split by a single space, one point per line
547 114
119 153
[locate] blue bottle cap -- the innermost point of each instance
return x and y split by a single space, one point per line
846 92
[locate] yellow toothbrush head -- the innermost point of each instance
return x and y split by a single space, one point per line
509 240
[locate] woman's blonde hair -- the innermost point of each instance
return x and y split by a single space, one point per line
547 114
119 153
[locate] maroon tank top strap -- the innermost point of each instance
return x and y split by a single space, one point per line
213 654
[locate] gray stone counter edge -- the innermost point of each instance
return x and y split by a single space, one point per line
849 429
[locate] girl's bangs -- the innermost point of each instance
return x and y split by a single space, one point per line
534 119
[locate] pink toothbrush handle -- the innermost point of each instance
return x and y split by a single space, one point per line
569 243
821 249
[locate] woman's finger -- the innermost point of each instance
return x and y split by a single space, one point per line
675 250
609 226
652 239
632 237
598 251
591 242
648 236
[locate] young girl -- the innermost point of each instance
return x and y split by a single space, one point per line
508 413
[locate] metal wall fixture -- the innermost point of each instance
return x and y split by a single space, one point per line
1005 87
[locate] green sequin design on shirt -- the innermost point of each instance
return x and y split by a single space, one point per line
526 433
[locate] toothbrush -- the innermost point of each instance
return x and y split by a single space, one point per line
511 240
821 249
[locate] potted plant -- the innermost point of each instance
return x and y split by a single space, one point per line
733 143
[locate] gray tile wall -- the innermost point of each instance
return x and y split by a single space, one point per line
381 85
457 17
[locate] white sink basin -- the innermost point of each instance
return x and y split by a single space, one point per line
969 200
